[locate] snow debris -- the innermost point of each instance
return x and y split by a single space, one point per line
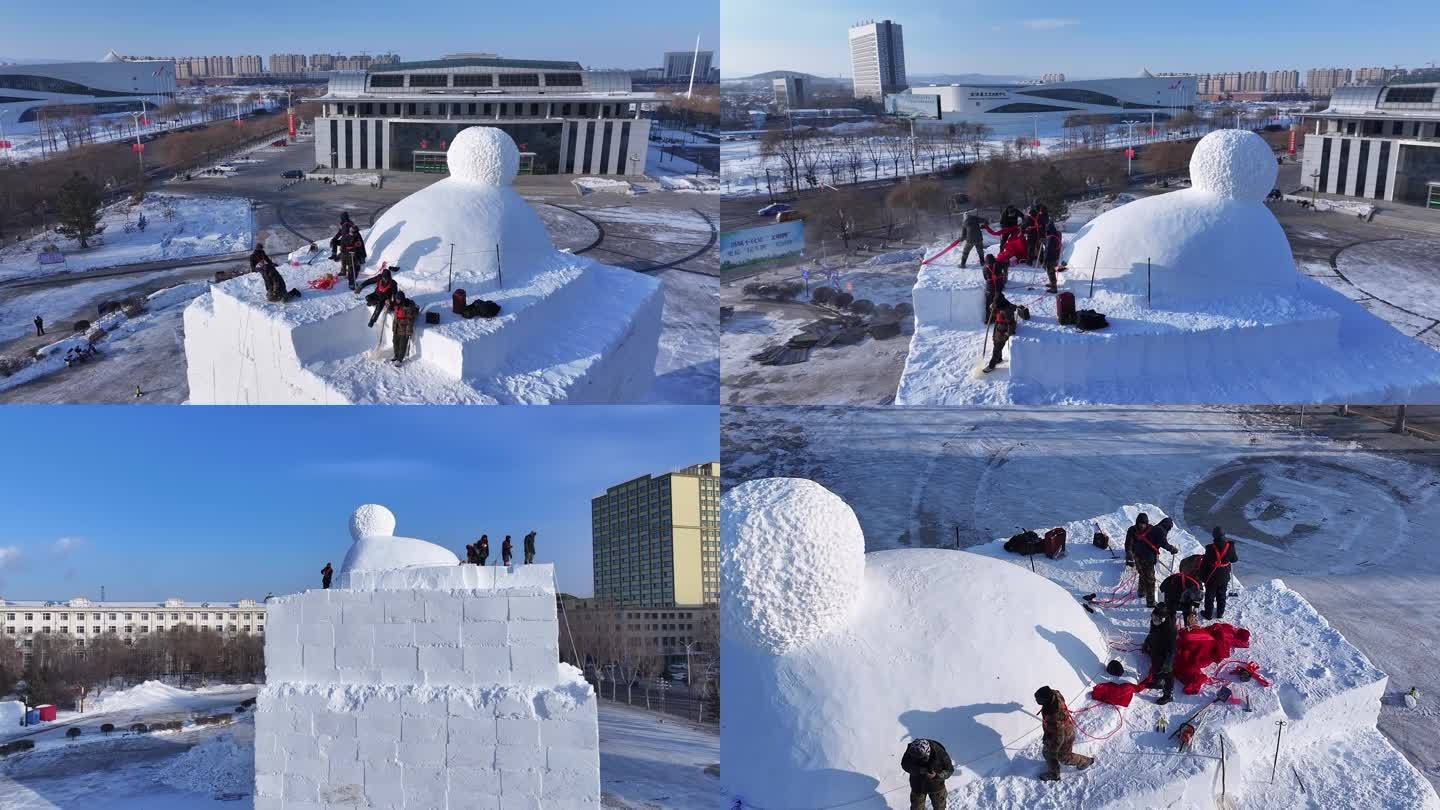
215 766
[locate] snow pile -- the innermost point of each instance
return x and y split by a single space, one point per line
938 644
895 257
178 227
1194 284
794 565
149 694
588 185
212 767
12 714
569 329
447 671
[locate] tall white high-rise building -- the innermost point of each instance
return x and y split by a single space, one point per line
877 59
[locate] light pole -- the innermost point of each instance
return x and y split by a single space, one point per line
1314 181
687 662
1130 136
1035 141
139 151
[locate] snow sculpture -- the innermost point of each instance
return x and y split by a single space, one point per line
929 643
1204 304
570 329
785 594
375 547
421 683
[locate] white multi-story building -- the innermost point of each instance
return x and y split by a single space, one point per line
877 59
287 63
1377 142
997 105
678 64
565 119
82 619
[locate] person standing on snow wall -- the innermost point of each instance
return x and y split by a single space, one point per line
1059 742
345 226
482 548
352 254
505 550
325 574
996 275
1146 551
530 548
974 239
1050 252
406 312
929 765
1219 557
1003 319
39 326
1159 644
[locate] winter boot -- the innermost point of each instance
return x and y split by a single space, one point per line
1165 698
1081 762
1205 614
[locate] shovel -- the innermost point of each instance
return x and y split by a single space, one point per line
1223 694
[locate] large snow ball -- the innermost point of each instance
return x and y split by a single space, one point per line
792 560
1233 163
484 155
946 645
372 520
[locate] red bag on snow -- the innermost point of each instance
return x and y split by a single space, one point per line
1118 694
1197 649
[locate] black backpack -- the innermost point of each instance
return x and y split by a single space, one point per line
1026 542
1088 319
1102 540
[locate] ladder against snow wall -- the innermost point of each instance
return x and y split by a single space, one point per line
432 687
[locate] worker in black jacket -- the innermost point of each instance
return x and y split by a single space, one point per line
974 237
1159 644
1219 557
482 549
1182 592
1145 548
929 766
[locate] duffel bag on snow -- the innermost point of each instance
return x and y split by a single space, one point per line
1054 543
1026 542
1088 319
1102 540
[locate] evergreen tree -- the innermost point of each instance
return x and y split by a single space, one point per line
79 209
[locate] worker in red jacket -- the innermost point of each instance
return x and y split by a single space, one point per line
1215 568
1012 243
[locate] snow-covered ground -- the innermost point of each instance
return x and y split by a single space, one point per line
646 760
673 172
177 227
1344 527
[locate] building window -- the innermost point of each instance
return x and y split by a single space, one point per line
1410 95
1324 180
1364 163
388 80
1340 178
563 80
519 79
1397 127
429 80
45 616
473 80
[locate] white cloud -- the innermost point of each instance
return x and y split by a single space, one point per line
9 557
1049 23
65 545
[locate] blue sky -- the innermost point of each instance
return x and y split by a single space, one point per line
1093 39
598 34
229 503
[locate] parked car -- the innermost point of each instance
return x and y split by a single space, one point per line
775 209
788 216
292 174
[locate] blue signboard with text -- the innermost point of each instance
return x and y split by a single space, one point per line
751 245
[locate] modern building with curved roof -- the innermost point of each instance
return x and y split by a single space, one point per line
106 87
1116 99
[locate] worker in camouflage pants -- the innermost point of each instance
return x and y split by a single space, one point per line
1059 737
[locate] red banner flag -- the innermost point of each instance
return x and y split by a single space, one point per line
291 122
137 147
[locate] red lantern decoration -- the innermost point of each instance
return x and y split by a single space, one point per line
137 147
424 144
1129 153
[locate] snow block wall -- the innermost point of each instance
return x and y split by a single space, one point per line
12 714
424 687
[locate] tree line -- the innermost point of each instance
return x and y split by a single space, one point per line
59 669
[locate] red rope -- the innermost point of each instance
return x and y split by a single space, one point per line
1119 714
1115 599
943 252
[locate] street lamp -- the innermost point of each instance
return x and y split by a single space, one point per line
687 661
1314 181
139 150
